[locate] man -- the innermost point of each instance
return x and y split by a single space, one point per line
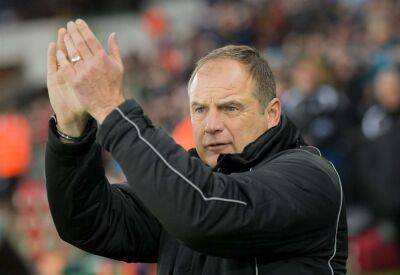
250 199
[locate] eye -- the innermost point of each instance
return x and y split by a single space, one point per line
231 109
199 110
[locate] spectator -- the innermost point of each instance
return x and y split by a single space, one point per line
376 168
381 116
316 107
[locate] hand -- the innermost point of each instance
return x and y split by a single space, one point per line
71 116
96 77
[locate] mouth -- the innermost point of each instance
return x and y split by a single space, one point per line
216 146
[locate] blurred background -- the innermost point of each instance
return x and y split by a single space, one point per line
336 63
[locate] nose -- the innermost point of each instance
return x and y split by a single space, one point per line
213 123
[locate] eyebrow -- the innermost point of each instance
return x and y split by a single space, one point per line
221 104
230 102
195 103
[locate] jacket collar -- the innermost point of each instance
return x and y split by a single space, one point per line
282 137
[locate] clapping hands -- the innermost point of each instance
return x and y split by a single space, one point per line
82 78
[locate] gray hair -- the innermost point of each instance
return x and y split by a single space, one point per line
258 68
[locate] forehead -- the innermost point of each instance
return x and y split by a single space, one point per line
220 78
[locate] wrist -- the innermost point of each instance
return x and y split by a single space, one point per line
101 115
74 128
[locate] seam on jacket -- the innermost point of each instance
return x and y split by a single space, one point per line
255 262
319 152
173 169
337 220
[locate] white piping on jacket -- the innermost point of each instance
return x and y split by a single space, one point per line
173 169
338 215
319 152
337 221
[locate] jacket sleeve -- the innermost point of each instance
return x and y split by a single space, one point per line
88 212
280 209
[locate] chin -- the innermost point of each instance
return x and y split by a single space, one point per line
211 161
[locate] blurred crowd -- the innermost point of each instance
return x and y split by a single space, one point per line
337 67
17 10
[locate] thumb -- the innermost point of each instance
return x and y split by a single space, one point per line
113 48
51 59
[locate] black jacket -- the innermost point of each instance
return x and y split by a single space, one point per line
277 208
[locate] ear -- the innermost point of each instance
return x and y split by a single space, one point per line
273 112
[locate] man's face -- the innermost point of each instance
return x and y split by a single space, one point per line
387 90
225 114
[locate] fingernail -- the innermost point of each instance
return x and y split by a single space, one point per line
79 21
70 24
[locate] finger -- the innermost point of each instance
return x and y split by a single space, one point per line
60 40
90 38
65 65
113 48
71 50
51 58
78 40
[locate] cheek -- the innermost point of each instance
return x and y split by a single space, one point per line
237 131
245 131
197 134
